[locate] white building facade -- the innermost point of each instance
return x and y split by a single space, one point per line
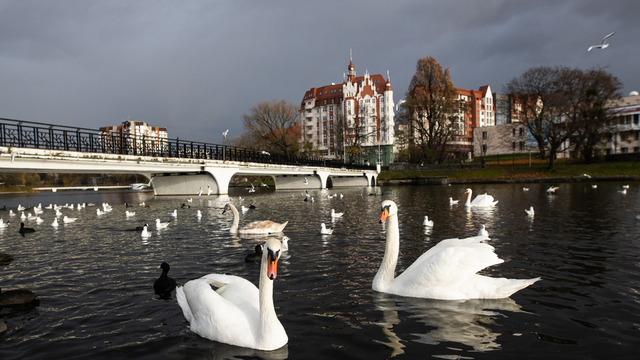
359 113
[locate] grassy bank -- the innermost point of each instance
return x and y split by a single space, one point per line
521 169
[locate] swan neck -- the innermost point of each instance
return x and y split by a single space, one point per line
265 292
386 273
468 203
236 219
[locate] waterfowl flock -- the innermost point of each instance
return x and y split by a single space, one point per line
232 310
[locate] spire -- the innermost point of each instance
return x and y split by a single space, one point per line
351 70
388 85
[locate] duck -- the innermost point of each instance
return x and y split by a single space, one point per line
161 225
255 256
530 211
447 271
164 285
334 214
23 230
5 258
453 202
324 230
237 313
427 222
483 231
482 200
256 227
16 297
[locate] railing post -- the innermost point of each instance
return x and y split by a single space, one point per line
78 141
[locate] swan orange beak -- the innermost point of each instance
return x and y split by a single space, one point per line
272 265
385 214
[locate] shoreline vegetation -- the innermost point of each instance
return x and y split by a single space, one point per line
517 171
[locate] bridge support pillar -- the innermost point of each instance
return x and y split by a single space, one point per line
371 179
223 177
324 175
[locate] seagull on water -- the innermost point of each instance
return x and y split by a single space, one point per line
603 45
530 211
453 202
483 231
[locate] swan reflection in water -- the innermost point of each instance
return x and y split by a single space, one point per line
459 321
201 348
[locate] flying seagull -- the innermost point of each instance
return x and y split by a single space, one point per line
224 134
604 44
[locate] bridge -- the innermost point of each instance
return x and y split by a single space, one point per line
175 167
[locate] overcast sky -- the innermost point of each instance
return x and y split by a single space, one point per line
196 67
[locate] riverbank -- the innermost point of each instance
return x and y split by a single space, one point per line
516 173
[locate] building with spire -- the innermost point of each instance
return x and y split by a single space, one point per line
353 121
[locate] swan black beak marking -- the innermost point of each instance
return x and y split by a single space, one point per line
385 214
272 263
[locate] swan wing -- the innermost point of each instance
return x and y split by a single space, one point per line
225 317
263 227
447 271
483 200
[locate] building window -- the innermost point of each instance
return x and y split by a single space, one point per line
521 131
330 108
484 148
514 133
636 119
484 135
624 150
513 145
521 145
636 149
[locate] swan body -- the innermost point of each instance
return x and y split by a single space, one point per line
237 313
256 227
483 231
530 211
447 271
427 222
324 230
482 200
453 202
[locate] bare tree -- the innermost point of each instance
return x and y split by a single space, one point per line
357 132
597 90
542 93
273 123
430 108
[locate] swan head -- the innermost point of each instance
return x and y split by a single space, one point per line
468 191
271 255
226 207
388 208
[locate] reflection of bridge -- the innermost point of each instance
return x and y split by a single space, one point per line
177 167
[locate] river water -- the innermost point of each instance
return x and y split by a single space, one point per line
94 277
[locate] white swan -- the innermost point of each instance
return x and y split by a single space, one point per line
237 313
256 227
453 202
334 214
530 211
427 222
161 225
482 200
483 231
447 271
324 230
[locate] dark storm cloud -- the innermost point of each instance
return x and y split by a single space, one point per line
197 66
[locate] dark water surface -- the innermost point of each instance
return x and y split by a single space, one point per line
94 277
